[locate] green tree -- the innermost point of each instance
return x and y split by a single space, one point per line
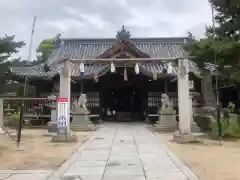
225 44
9 46
45 49
228 18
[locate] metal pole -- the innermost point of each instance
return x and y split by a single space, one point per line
25 86
216 78
20 125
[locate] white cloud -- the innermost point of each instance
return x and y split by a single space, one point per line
102 18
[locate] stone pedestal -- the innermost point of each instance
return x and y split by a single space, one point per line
184 138
81 120
61 137
52 125
166 120
194 127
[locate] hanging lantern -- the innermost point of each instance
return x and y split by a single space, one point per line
137 68
125 74
170 68
81 67
112 67
155 75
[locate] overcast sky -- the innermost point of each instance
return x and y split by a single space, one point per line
102 18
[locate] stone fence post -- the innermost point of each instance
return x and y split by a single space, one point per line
1 116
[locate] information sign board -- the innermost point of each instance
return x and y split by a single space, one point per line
63 113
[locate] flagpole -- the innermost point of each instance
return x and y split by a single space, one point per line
20 124
29 53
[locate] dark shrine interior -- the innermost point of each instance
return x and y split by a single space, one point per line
123 99
126 96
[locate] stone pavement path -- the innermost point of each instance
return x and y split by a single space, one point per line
24 174
123 152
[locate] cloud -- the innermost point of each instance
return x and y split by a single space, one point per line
102 18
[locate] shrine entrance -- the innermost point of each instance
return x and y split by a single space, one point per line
123 98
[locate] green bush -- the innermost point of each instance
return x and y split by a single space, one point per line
14 119
230 128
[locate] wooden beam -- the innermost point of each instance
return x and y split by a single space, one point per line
128 60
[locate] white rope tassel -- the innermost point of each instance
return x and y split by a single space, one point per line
170 68
155 75
137 68
125 74
95 77
112 67
81 67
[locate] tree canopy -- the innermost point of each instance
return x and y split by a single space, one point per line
9 46
225 45
45 48
228 18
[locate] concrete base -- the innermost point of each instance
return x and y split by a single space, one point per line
71 137
87 127
52 127
184 138
49 134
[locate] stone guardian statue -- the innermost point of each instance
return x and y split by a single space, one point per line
167 116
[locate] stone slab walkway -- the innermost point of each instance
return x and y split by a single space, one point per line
25 174
123 152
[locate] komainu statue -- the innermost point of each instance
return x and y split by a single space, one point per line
80 102
167 116
165 101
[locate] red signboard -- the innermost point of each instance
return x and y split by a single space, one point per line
61 99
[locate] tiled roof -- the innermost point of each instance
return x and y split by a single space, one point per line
39 72
104 48
91 48
35 71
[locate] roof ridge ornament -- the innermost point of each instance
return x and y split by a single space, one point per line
123 34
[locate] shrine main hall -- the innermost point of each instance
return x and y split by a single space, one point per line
123 77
